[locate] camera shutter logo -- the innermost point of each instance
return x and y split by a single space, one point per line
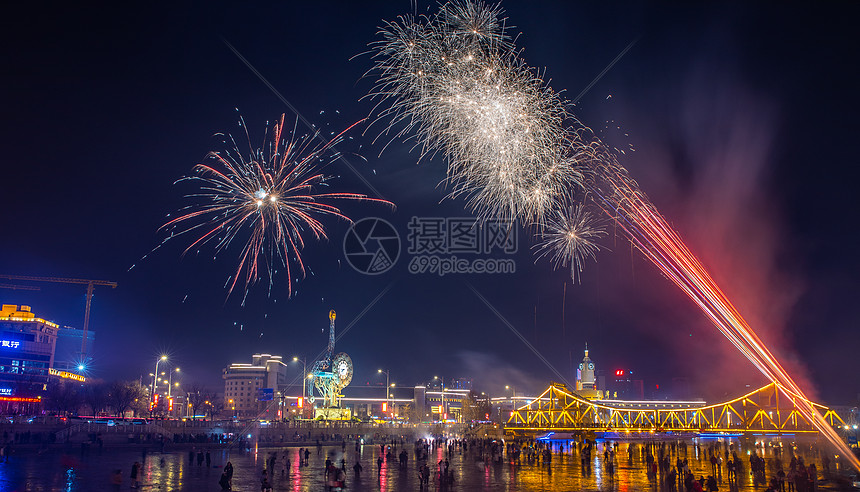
371 246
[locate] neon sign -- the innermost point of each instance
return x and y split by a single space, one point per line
10 343
5 391
66 375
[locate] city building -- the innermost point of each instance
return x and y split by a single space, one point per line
26 358
622 386
652 404
420 403
444 404
461 383
248 388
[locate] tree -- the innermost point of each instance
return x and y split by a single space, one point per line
197 397
95 395
140 405
411 413
122 396
214 405
63 398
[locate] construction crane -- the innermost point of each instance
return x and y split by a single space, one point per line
18 287
90 285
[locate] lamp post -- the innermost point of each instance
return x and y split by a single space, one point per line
304 362
154 376
170 382
442 385
510 404
387 380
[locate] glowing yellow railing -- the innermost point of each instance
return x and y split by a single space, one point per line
771 408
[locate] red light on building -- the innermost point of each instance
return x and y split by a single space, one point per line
301 402
21 399
384 407
619 372
170 404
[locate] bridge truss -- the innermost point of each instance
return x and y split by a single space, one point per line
772 409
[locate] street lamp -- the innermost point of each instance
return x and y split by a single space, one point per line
305 375
170 382
154 376
442 385
309 378
510 403
387 378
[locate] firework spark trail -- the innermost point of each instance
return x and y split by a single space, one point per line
455 83
653 236
273 192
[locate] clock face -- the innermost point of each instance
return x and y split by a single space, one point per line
591 366
341 367
580 366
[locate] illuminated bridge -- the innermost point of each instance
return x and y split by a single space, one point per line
770 409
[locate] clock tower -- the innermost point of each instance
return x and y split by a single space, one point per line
585 373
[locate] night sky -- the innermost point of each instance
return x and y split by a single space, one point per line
738 121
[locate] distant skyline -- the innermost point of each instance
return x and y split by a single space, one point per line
737 120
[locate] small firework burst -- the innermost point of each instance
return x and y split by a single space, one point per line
570 236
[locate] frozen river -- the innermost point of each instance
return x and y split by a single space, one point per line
54 470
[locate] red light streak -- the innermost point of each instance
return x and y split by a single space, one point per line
651 234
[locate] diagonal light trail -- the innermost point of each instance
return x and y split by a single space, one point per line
602 73
520 336
350 325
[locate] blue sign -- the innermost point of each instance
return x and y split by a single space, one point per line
10 343
265 394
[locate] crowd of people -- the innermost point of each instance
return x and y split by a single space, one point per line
675 466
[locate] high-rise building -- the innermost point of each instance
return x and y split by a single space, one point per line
26 356
248 388
623 386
